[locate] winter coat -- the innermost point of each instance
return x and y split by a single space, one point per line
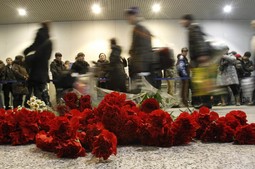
7 74
81 67
228 75
21 76
102 68
38 63
141 50
57 68
239 68
248 68
116 64
182 66
197 45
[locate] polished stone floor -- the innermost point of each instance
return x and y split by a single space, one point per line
195 155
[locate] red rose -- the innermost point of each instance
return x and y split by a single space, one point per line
149 105
105 145
70 149
245 134
71 100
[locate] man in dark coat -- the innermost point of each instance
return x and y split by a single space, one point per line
38 63
8 80
199 54
80 65
57 69
141 54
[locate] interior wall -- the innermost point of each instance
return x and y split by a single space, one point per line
92 37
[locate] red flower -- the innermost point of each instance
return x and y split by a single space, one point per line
45 142
155 130
92 131
105 145
71 100
218 131
184 129
149 105
111 118
239 115
44 120
85 102
63 109
63 129
204 117
245 134
70 149
7 125
130 103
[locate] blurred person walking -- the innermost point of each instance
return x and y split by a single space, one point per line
38 63
141 53
117 75
199 58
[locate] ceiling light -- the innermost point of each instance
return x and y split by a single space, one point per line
227 8
22 12
156 8
96 8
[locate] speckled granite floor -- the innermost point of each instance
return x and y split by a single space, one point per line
196 155
193 156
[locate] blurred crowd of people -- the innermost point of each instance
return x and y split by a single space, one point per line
28 74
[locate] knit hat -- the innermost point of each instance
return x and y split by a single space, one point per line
238 56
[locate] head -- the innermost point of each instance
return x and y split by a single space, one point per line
8 61
19 58
58 56
80 56
185 51
186 20
132 15
102 57
46 24
247 55
113 42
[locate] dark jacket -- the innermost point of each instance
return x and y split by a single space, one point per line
81 67
141 50
197 45
38 63
117 75
21 76
57 68
8 74
248 68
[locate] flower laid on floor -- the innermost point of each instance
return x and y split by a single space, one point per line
81 128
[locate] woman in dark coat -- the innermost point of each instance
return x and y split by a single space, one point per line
19 88
117 75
